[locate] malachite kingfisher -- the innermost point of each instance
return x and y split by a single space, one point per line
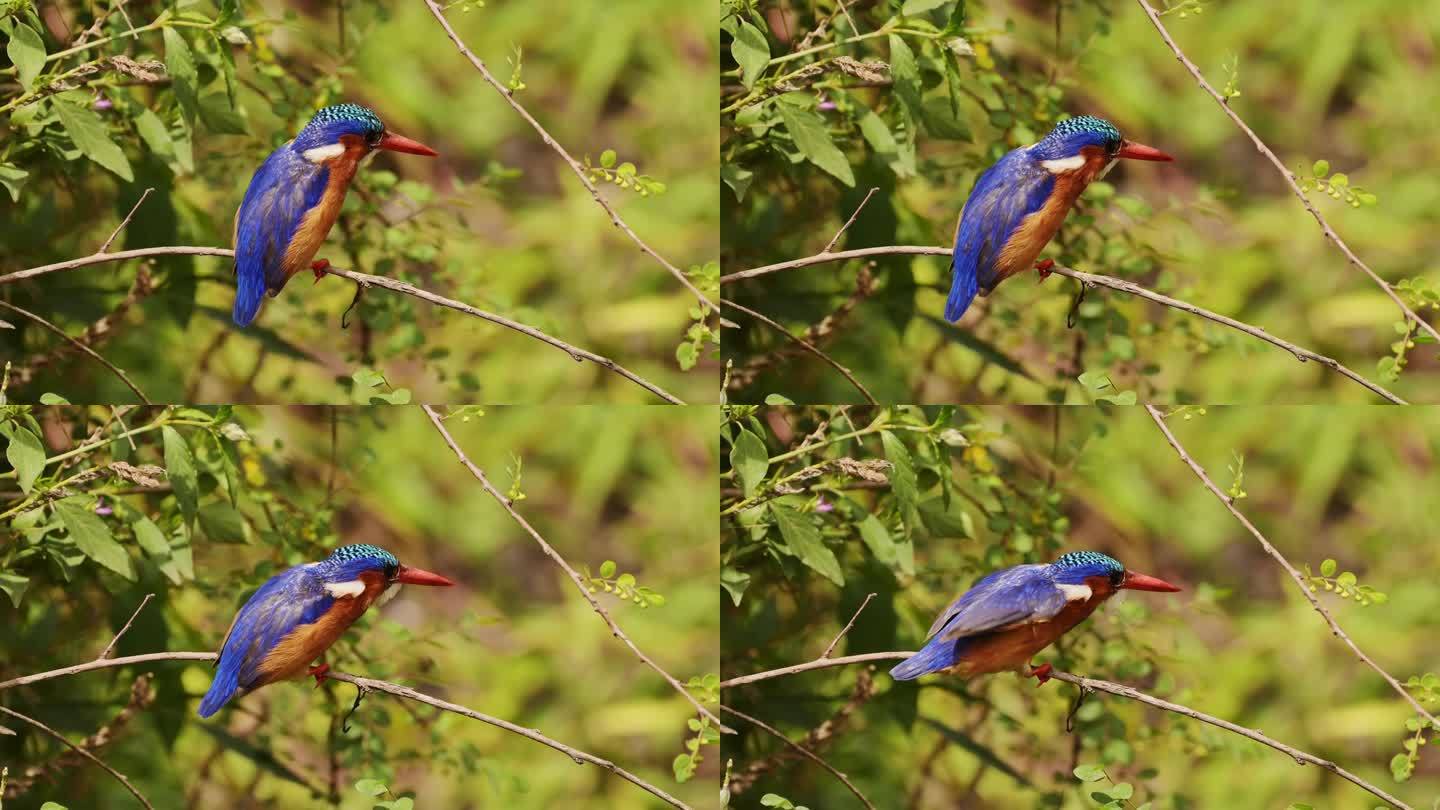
1014 613
298 613
1017 205
295 196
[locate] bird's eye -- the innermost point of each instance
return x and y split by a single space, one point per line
391 570
374 138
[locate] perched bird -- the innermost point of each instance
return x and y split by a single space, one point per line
1014 613
298 613
295 196
1017 205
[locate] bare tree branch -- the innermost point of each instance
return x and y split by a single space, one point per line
1284 172
831 648
365 684
807 346
1284 563
806 752
853 214
114 369
564 566
1120 690
574 165
1302 354
82 752
125 221
116 640
363 279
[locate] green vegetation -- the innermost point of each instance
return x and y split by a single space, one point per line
914 99
209 503
192 101
967 491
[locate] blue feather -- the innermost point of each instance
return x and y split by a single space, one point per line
291 598
1004 194
283 190
1005 598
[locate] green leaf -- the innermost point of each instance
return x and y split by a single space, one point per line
1321 168
180 64
27 52
607 569
13 179
902 473
370 787
148 535
14 587
222 523
1328 568
1089 773
607 158
25 454
921 6
750 461
180 469
91 138
778 399
751 51
48 398
804 540
687 355
92 536
807 129
905 74
736 177
734 581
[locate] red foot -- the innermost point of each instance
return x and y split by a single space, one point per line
1043 268
1041 674
318 268
319 673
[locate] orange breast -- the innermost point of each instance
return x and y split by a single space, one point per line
318 221
1012 649
1037 229
292 656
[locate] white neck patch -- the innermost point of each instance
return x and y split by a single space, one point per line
1058 165
320 154
1075 593
343 590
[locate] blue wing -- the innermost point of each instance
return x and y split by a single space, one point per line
1003 195
1019 595
286 601
283 189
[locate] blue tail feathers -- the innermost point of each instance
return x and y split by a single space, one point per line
963 286
936 655
249 292
221 690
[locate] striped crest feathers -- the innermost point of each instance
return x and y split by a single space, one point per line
1089 559
363 118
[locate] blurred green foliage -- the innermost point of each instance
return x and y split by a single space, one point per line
194 100
808 533
211 502
914 98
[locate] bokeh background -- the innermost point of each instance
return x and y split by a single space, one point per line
991 487
497 221
514 639
1343 82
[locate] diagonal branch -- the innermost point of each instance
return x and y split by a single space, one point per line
99 358
1089 279
1284 563
1120 690
82 752
564 566
1284 172
574 165
807 346
806 752
365 685
363 279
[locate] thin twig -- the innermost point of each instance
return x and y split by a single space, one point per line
1120 690
1275 554
574 165
851 624
1284 172
853 215
82 752
803 750
365 685
82 347
109 648
807 346
555 557
363 279
1302 354
125 221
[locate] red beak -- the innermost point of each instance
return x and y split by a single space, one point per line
1145 582
419 576
1128 149
400 143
